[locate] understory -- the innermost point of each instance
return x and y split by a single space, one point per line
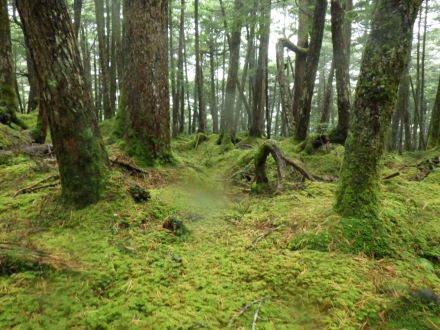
279 259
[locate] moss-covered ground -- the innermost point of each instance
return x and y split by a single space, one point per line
113 266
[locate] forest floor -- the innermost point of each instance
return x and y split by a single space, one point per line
244 261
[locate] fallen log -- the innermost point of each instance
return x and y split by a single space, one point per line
127 166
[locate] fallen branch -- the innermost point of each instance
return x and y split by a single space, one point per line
245 308
127 166
427 167
388 177
262 236
254 322
35 186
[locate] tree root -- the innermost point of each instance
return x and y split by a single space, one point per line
270 147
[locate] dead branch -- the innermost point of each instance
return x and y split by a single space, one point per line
245 308
393 175
132 169
262 236
36 186
427 167
254 322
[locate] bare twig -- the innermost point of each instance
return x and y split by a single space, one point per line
388 177
254 322
35 186
245 308
262 236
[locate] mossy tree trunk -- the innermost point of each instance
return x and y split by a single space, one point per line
385 58
8 96
78 145
260 83
434 133
201 115
314 51
146 80
341 63
231 83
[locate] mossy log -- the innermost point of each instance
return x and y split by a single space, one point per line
270 147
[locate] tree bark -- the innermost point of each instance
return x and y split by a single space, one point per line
115 49
77 8
199 73
8 95
311 69
78 145
232 80
434 133
341 63
146 80
180 59
103 59
328 93
385 58
260 89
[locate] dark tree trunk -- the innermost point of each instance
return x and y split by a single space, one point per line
8 95
115 49
260 92
77 8
434 133
199 74
311 68
213 94
341 63
103 59
174 91
180 59
146 80
231 83
78 145
385 58
301 58
328 93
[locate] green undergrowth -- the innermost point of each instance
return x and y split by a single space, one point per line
112 265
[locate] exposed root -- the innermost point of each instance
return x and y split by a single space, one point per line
270 147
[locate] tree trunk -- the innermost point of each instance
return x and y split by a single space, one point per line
260 92
434 133
115 48
213 94
8 95
180 59
328 93
146 80
103 59
385 58
231 83
341 62
199 73
77 8
301 58
174 93
311 68
78 145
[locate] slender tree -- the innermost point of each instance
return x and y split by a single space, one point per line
103 58
434 132
199 72
384 60
146 80
77 8
8 95
78 145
